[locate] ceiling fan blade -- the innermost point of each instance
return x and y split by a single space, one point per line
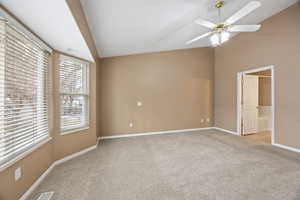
243 12
198 38
244 28
205 23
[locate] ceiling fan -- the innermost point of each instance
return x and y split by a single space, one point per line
220 32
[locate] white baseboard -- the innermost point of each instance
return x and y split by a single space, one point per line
37 182
287 147
74 155
98 140
58 162
226 131
275 144
153 133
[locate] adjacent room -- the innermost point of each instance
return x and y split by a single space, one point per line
144 100
256 105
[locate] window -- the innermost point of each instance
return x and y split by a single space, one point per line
74 95
23 92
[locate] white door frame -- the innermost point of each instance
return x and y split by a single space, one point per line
239 98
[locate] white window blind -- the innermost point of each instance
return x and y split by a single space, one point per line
74 94
23 92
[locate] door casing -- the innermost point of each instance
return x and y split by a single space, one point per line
239 98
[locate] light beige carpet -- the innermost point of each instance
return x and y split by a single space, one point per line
206 165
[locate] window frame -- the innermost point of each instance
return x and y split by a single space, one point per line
85 94
24 151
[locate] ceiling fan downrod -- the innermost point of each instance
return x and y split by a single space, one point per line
220 26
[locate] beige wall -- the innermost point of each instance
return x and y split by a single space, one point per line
32 166
175 88
277 43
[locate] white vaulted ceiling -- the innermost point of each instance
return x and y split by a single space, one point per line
122 27
53 22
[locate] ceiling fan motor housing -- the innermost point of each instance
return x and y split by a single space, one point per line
220 28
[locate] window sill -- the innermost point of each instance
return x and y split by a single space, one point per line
24 154
75 130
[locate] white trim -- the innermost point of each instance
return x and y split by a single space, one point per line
58 162
239 105
273 104
258 69
153 133
86 94
24 154
37 183
287 147
239 91
75 130
226 131
98 140
274 144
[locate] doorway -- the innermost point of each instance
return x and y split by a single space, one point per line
256 104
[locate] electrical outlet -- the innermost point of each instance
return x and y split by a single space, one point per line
207 119
202 120
139 104
131 125
18 174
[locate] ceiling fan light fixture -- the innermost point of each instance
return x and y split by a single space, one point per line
225 36
215 39
219 38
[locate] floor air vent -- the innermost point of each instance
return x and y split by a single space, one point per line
46 196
